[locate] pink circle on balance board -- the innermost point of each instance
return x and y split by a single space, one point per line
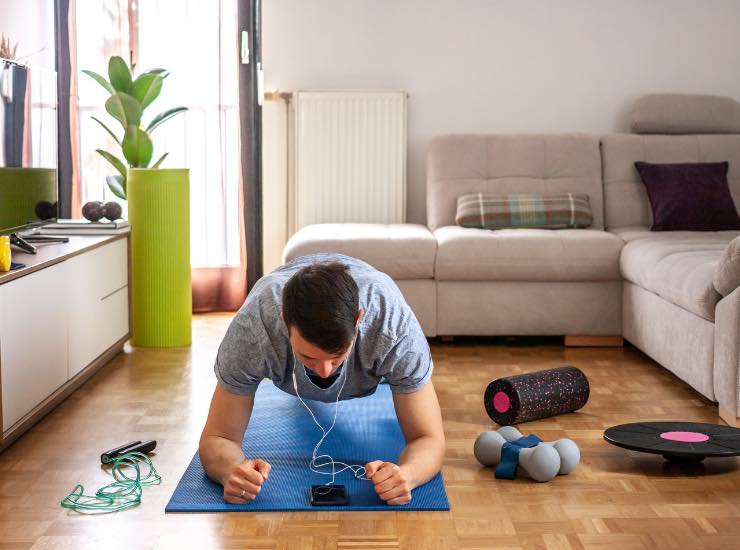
685 437
501 402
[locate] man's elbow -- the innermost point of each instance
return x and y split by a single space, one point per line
441 445
206 442
437 444
210 440
203 444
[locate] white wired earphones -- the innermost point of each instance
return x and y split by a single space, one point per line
320 461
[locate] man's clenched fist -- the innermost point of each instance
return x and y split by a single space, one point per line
245 481
390 480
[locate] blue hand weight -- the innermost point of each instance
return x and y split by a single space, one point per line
506 469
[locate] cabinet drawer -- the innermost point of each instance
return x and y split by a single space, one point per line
96 326
98 303
101 271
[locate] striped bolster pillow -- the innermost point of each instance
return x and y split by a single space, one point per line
541 211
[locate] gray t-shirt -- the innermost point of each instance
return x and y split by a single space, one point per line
389 343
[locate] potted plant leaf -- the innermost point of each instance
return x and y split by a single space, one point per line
128 99
158 207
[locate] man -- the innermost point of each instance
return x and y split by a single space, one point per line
339 326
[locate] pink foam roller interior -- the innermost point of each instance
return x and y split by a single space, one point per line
501 402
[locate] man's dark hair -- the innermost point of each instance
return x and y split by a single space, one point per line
322 301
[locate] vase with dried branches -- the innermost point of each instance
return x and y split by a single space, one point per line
7 51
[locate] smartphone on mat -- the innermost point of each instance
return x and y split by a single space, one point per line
329 495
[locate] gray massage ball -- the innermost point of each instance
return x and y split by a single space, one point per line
541 462
510 433
487 448
570 456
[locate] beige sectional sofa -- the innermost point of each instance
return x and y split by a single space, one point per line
521 281
657 289
671 309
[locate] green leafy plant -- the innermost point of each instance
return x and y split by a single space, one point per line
129 97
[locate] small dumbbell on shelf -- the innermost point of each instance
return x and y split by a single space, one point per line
113 210
95 210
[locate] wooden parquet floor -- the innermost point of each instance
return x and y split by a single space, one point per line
615 498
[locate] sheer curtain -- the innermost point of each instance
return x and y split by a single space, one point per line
102 30
196 41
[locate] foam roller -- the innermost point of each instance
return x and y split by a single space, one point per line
535 395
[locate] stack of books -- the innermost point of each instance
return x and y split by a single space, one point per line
84 227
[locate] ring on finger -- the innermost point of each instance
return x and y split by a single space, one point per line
244 492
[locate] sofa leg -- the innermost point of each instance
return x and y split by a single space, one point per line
578 341
729 417
447 339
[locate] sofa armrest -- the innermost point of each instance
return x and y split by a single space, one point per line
727 357
404 251
727 276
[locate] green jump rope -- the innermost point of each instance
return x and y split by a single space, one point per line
123 493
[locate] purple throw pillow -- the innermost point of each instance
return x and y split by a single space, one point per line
689 197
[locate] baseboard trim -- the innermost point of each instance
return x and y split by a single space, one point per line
586 341
729 417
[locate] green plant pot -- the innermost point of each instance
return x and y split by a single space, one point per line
161 292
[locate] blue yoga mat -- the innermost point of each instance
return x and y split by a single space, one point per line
282 432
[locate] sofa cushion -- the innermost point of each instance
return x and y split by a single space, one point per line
488 211
625 198
516 163
628 234
402 251
685 114
727 276
689 196
469 254
679 268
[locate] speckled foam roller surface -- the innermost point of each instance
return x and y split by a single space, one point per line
535 395
282 432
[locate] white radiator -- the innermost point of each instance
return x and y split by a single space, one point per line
350 157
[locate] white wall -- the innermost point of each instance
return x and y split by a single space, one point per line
30 24
274 183
503 65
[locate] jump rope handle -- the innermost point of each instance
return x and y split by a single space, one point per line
131 447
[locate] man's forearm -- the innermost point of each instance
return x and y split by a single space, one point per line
421 459
219 456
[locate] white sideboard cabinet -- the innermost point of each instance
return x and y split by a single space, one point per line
62 317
